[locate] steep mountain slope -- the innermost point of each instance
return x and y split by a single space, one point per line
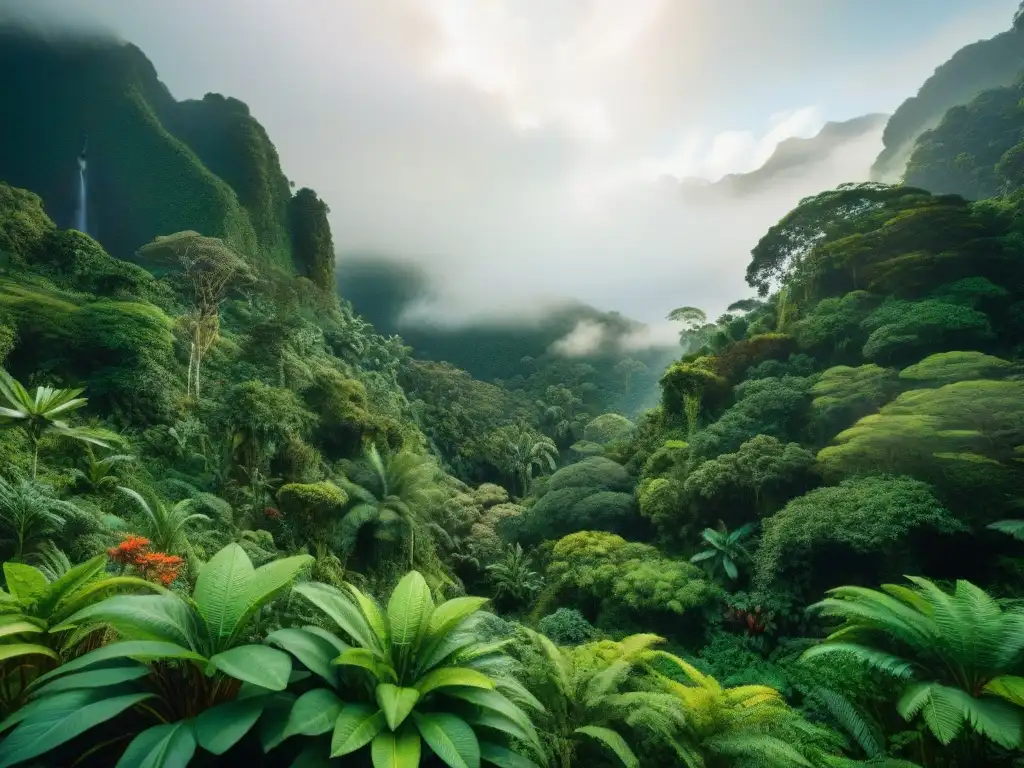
977 151
974 68
156 166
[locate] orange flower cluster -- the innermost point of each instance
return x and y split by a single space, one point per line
153 566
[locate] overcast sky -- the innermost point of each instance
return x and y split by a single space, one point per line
514 147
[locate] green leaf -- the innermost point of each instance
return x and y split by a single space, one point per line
313 713
489 718
70 582
162 746
342 611
267 582
503 758
166 618
730 567
450 613
62 719
14 650
219 728
97 678
396 750
450 737
257 664
142 650
614 741
1008 687
24 581
19 628
409 609
372 614
356 726
276 713
494 701
449 676
396 703
221 588
312 650
365 659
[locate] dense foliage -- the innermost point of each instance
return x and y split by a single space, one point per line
239 524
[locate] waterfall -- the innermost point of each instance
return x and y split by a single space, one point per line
81 222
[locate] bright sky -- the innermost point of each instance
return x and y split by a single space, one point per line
512 146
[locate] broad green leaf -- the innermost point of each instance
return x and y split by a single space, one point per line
61 720
356 726
24 581
162 746
339 644
450 613
730 567
448 676
275 718
340 608
396 703
1008 687
19 628
614 741
489 718
491 700
166 618
409 609
266 583
97 678
451 738
14 650
316 754
88 593
312 650
372 614
257 664
141 650
219 728
503 757
366 659
396 750
221 590
313 713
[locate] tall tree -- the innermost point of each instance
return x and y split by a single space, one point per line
210 270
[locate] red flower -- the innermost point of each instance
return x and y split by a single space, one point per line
272 513
129 550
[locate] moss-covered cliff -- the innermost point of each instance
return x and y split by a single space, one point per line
156 166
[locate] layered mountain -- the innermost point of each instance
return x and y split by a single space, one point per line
977 67
155 165
792 159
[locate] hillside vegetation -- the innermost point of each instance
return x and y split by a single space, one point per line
240 524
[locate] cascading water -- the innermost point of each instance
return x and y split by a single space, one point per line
81 221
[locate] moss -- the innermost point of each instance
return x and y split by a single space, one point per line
24 225
312 244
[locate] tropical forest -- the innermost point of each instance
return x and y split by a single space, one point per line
247 520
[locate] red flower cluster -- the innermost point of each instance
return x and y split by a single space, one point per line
153 566
272 513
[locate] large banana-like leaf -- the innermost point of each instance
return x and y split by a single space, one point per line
311 649
452 676
373 616
61 718
69 582
450 613
396 703
97 678
266 583
219 728
450 737
90 592
162 746
1008 687
345 613
396 750
409 610
166 617
614 741
363 658
141 650
221 588
314 712
357 725
260 665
